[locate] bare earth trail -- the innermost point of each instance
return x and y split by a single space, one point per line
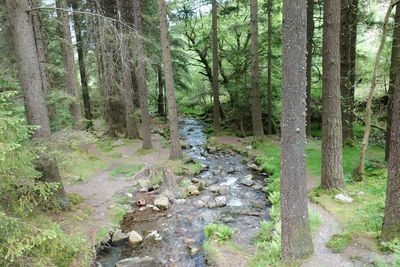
100 190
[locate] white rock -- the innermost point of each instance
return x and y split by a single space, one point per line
344 198
180 201
162 202
134 238
119 236
200 204
220 201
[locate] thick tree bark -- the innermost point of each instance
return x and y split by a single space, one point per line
82 67
176 150
360 171
296 239
141 77
160 100
310 36
31 84
215 74
69 64
332 159
348 45
127 86
40 46
255 71
394 68
269 78
391 222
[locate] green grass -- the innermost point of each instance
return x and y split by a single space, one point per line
126 170
220 232
339 242
81 167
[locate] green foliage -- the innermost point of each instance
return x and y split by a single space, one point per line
220 232
126 170
339 242
37 242
315 220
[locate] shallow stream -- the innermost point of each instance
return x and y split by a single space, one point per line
245 207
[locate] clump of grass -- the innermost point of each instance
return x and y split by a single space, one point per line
339 242
220 232
75 199
126 170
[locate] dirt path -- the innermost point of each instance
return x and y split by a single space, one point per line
100 190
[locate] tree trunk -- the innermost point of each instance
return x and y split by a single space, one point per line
359 172
69 63
391 222
255 71
40 46
32 90
82 67
176 150
215 75
332 160
269 79
296 242
127 86
160 100
310 36
141 77
106 72
395 61
348 45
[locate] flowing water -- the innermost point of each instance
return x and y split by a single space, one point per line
245 207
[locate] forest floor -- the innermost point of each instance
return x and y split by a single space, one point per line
108 185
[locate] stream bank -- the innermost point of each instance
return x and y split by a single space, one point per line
226 191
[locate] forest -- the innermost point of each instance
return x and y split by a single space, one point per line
199 133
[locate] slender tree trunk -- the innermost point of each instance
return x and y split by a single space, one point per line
296 242
82 67
127 87
348 44
141 77
353 55
160 100
332 159
359 172
106 68
255 71
176 150
32 89
40 46
310 36
69 64
391 222
394 68
269 79
215 75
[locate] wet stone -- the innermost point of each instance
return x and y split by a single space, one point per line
119 236
220 201
136 262
193 251
162 202
134 238
247 182
189 241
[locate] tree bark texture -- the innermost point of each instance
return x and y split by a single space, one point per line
67 51
160 100
176 150
32 90
391 222
394 68
255 71
141 77
310 46
296 239
215 73
332 159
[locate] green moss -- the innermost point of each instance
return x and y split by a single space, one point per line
75 199
339 242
